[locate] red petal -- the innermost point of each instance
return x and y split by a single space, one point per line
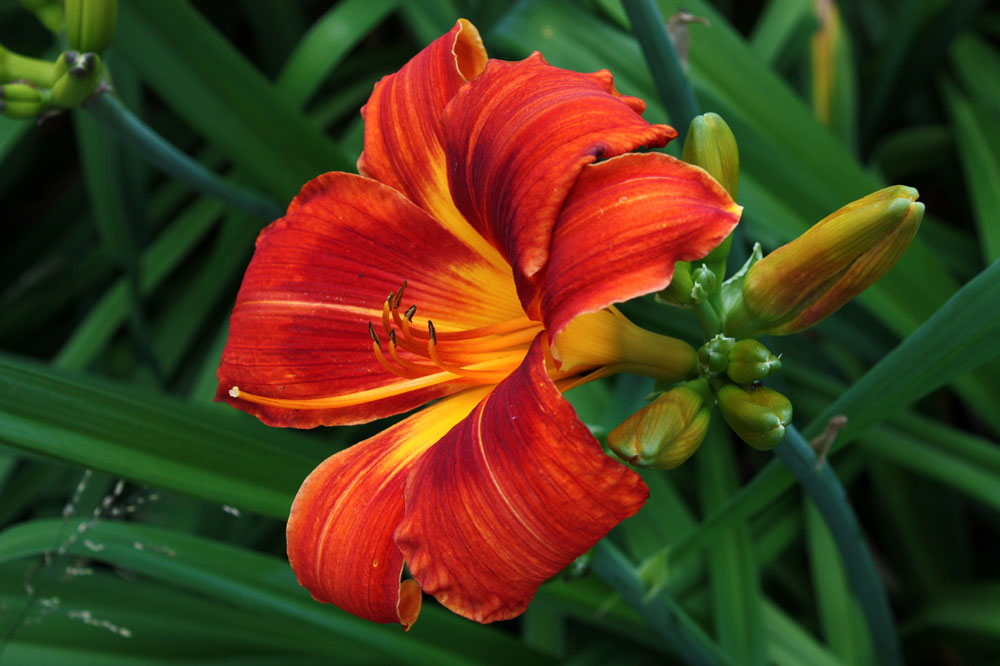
518 135
340 527
299 329
624 224
404 138
509 497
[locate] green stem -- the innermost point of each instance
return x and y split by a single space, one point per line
828 495
682 636
707 316
129 129
668 73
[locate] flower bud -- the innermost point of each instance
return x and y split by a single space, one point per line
20 100
803 282
79 80
713 356
756 413
665 433
750 361
90 24
711 145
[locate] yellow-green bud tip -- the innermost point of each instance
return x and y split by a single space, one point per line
757 414
803 282
665 433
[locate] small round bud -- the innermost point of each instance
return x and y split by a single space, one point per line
750 361
756 413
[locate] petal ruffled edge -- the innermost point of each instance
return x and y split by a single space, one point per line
517 137
622 228
339 531
509 497
404 137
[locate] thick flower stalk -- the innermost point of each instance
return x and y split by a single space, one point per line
499 216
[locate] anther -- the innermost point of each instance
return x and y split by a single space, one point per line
410 311
399 296
392 337
390 299
371 330
433 333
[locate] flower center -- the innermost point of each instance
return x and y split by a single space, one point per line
483 355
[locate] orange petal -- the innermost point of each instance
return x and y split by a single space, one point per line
340 527
403 133
517 137
509 497
625 223
299 347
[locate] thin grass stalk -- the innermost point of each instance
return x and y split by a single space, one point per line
129 129
827 493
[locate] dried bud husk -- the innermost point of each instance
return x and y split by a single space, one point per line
756 413
665 433
751 361
90 24
803 282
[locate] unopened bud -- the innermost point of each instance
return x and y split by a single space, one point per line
90 24
711 145
750 361
756 413
81 74
20 100
713 356
803 282
665 433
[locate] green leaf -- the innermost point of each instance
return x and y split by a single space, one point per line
329 39
978 139
733 574
199 74
150 438
266 584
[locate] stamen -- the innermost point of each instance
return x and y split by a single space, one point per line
399 297
371 331
410 311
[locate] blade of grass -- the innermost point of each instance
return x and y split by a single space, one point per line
733 575
265 584
781 22
150 438
199 74
329 39
840 616
978 142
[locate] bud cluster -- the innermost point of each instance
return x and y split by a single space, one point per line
30 87
791 289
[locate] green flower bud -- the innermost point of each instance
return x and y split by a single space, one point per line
803 282
79 80
711 145
713 356
750 361
20 100
90 24
756 413
704 283
665 433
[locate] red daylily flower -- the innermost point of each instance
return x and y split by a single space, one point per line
483 196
